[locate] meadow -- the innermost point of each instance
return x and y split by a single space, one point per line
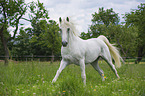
34 79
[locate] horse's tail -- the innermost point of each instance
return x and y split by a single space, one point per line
113 51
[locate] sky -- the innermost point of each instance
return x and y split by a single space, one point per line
82 10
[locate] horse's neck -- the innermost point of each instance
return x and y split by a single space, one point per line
73 40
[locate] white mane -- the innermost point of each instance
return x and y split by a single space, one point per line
71 24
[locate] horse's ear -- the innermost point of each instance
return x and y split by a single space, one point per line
60 20
67 19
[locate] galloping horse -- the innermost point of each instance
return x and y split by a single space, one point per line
77 51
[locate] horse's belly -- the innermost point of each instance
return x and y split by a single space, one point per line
92 55
71 59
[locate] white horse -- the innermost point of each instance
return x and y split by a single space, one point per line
74 50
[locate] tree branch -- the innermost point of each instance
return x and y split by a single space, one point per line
17 22
4 13
1 30
26 19
121 47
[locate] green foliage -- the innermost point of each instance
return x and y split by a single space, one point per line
136 18
106 22
12 11
123 37
34 78
21 45
48 37
37 12
44 32
105 17
43 35
86 35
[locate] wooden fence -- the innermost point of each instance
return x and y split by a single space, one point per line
57 58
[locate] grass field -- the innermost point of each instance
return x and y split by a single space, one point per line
34 79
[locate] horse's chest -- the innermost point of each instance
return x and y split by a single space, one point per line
72 57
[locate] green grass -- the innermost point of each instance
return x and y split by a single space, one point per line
34 79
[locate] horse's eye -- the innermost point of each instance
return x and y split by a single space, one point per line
60 30
68 29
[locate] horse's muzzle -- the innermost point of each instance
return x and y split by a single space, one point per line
64 43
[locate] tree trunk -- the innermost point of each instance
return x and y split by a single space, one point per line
4 43
125 53
6 54
140 55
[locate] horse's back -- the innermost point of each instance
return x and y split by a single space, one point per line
93 49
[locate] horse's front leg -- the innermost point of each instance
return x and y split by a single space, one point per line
83 74
63 64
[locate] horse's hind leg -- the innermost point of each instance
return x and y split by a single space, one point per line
97 68
107 57
113 68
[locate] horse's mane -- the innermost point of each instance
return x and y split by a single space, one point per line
71 24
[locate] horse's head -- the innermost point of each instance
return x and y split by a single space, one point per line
65 30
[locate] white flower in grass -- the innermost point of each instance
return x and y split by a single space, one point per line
2 83
113 92
119 90
59 92
34 86
108 83
53 90
34 94
18 89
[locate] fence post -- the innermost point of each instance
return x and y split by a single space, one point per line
26 60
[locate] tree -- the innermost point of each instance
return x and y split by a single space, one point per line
11 11
102 19
105 22
44 33
37 12
49 37
52 38
136 18
122 36
105 17
21 44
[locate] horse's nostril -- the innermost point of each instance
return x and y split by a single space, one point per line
64 43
